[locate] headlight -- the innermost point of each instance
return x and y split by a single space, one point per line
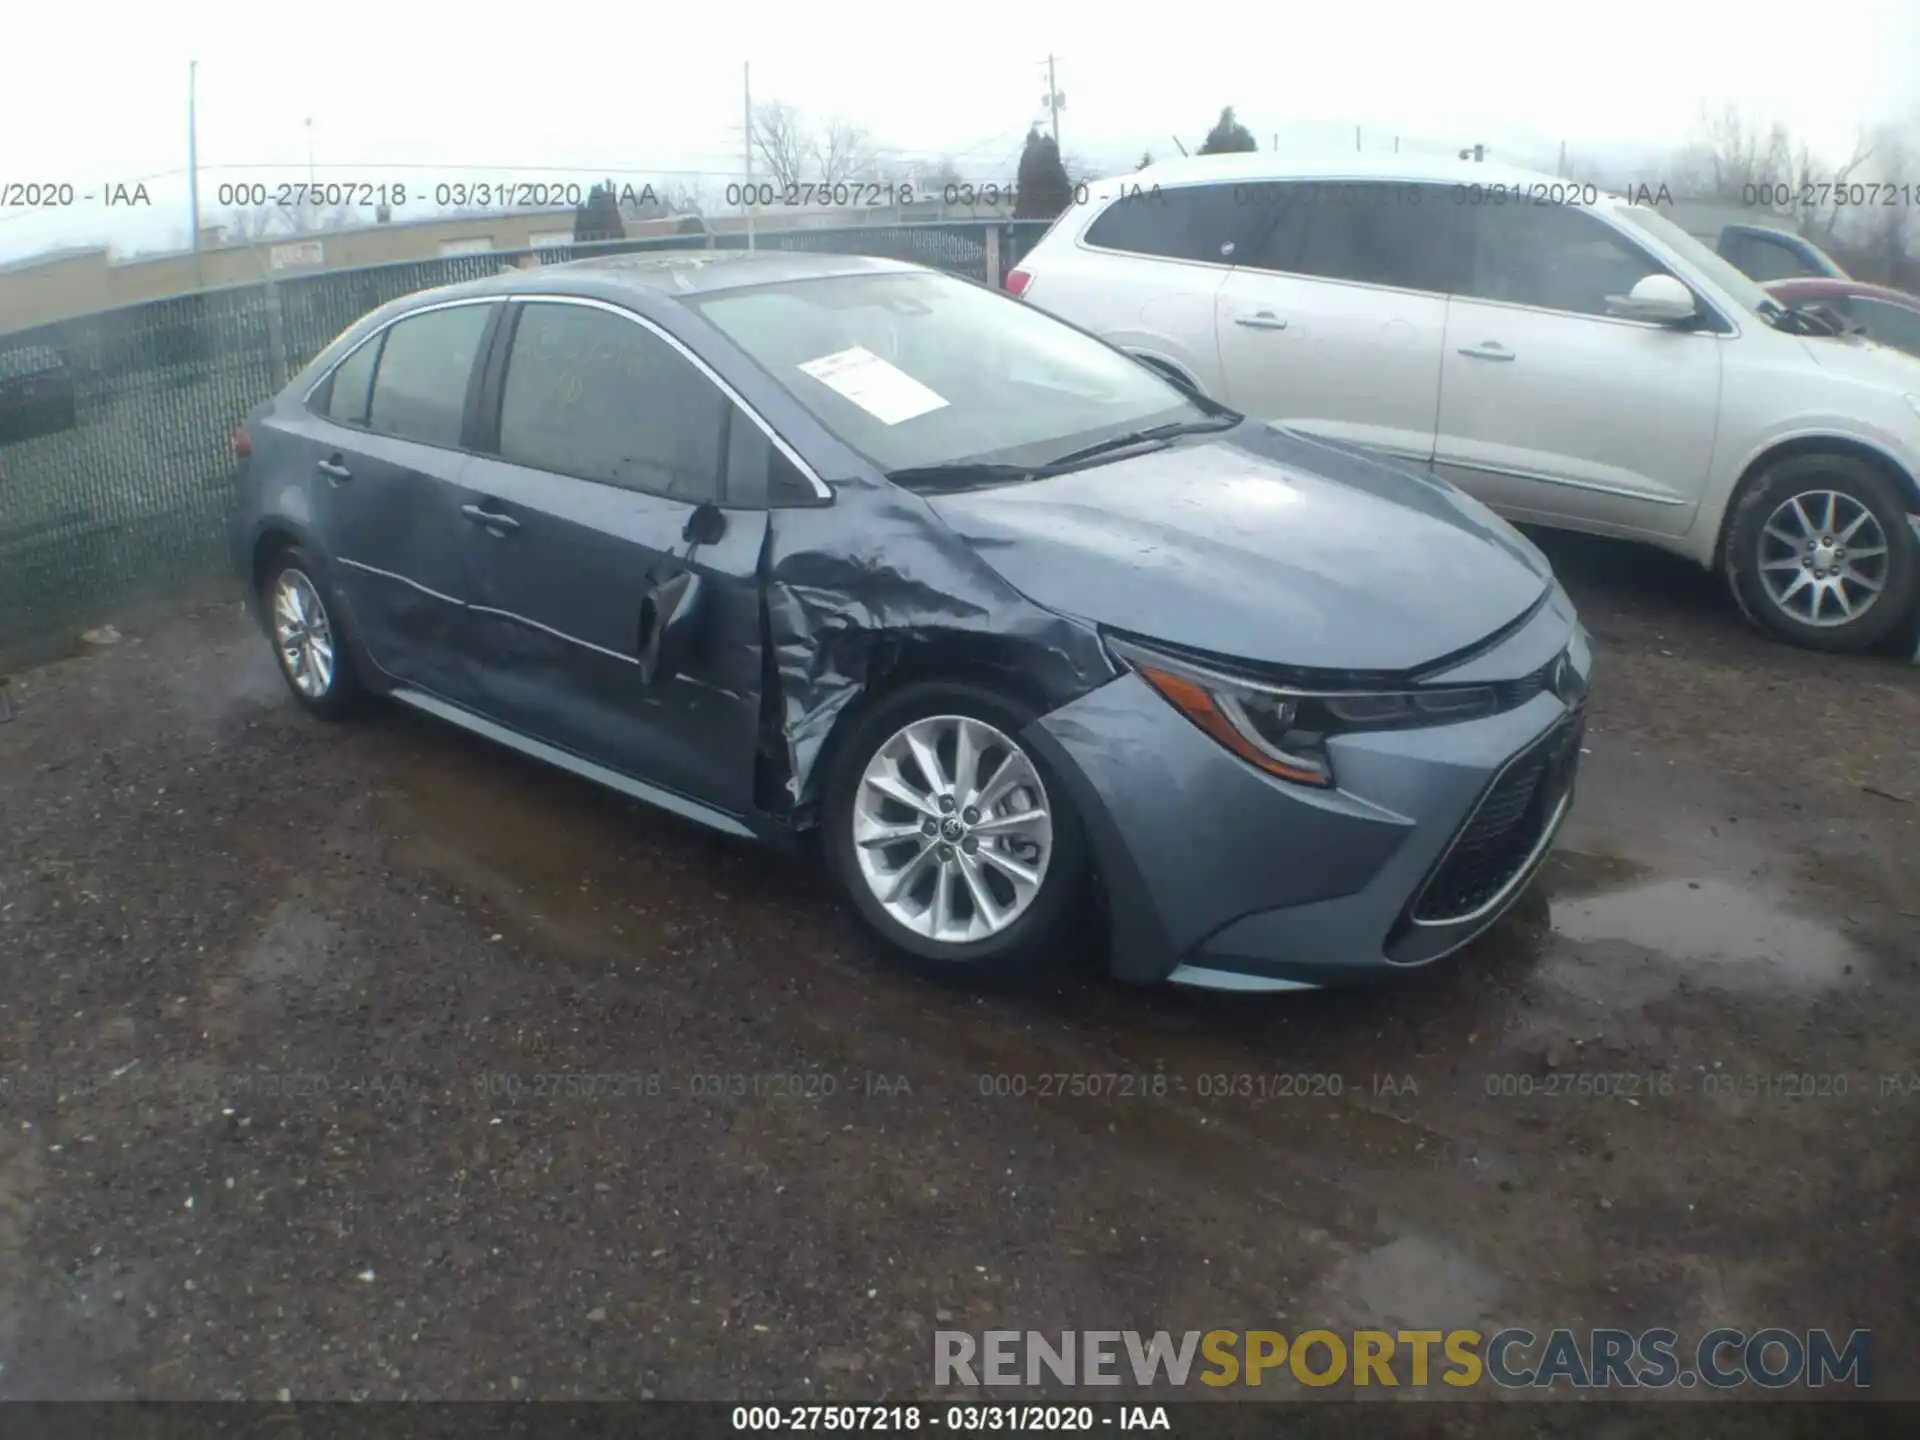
1283 730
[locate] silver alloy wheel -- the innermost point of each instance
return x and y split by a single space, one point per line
302 634
1823 558
951 829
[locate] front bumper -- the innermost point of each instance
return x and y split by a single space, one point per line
1216 874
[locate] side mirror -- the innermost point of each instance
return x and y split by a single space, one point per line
670 620
1660 299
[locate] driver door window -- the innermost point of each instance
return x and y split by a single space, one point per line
598 397
1551 257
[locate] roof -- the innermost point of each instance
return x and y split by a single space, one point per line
666 274
1812 287
693 272
1331 164
54 257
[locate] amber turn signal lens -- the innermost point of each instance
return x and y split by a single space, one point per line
1198 705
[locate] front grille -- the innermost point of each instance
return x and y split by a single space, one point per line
1500 836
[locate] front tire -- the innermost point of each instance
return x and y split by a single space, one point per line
307 640
951 838
1820 552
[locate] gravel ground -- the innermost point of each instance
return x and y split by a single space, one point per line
294 1018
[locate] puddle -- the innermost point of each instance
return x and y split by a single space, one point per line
1576 874
1710 932
1415 1281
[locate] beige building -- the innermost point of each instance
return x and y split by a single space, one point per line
77 282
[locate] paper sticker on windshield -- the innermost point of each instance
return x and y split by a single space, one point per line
884 391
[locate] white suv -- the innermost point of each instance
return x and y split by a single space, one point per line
1569 357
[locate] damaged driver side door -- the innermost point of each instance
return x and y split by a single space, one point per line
612 580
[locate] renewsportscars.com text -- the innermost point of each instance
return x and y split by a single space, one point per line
1723 1359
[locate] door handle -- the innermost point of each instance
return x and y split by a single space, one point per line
499 524
334 470
1265 320
1487 350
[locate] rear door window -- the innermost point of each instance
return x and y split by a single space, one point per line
1182 222
425 365
1369 233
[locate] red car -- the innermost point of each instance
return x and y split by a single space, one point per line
1891 317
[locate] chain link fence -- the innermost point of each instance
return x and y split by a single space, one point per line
116 428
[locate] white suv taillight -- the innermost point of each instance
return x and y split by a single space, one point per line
1017 282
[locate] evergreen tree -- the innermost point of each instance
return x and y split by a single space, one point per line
1228 136
1044 190
599 218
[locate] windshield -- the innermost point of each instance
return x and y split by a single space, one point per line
1742 288
917 369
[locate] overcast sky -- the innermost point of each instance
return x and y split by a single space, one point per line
96 95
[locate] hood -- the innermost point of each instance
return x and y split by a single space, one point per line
1261 545
1858 358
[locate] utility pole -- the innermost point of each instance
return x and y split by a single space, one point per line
746 99
1562 171
1054 101
309 154
193 169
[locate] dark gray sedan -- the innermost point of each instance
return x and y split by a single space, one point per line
1025 632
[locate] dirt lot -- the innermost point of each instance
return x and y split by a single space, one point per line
280 1004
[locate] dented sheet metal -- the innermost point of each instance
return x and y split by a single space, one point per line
875 581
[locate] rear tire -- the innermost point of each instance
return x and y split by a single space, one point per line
308 640
1820 552
952 839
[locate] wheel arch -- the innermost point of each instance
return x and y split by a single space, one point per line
1800 445
1000 664
274 538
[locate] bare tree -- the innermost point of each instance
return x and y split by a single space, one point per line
780 142
1811 199
844 151
1881 239
263 222
942 173
251 224
642 200
307 216
1733 158
686 198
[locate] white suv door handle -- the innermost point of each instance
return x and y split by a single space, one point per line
1265 320
1487 350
